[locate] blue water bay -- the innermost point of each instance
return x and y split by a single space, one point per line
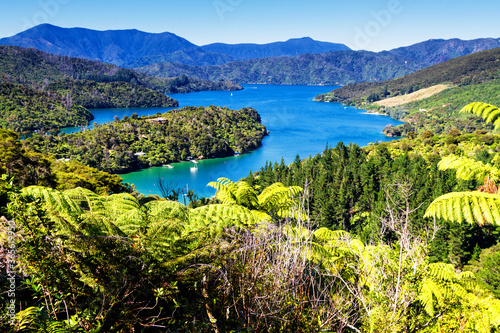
297 125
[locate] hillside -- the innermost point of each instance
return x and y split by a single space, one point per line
291 47
332 68
38 69
435 51
430 99
470 69
26 110
133 48
133 143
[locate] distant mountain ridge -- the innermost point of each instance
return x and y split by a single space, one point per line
296 61
118 47
471 69
134 48
435 51
332 68
292 47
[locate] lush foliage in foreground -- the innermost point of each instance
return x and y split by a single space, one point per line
29 168
347 189
132 143
114 263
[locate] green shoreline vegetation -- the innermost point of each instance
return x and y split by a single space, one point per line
472 77
137 142
45 92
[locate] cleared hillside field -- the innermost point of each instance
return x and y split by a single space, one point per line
414 96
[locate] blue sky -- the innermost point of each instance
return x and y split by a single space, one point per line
361 24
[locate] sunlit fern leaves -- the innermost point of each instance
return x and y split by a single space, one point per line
60 208
278 199
117 205
214 218
275 200
155 225
86 199
231 193
472 207
32 319
442 285
490 113
430 293
468 168
332 248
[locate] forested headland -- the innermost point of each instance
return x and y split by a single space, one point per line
137 142
45 92
415 99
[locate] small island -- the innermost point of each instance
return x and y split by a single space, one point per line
138 142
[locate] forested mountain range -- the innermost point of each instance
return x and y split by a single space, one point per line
332 68
133 48
38 69
296 61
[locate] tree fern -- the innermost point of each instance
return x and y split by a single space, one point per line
468 168
472 207
279 199
215 218
490 113
60 208
276 199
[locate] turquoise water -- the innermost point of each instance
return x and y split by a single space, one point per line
298 125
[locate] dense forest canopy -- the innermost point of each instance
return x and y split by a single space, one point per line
132 143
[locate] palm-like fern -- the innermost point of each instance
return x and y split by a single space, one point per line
275 200
490 113
442 286
472 207
477 206
468 168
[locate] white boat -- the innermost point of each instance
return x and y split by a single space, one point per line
194 161
194 168
168 166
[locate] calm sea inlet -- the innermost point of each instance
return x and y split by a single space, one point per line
297 125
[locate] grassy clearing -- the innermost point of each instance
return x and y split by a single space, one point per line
414 96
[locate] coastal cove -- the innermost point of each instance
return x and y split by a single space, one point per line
297 125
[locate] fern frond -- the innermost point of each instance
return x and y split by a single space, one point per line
326 235
441 271
467 168
429 289
62 210
86 199
472 207
214 218
488 112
